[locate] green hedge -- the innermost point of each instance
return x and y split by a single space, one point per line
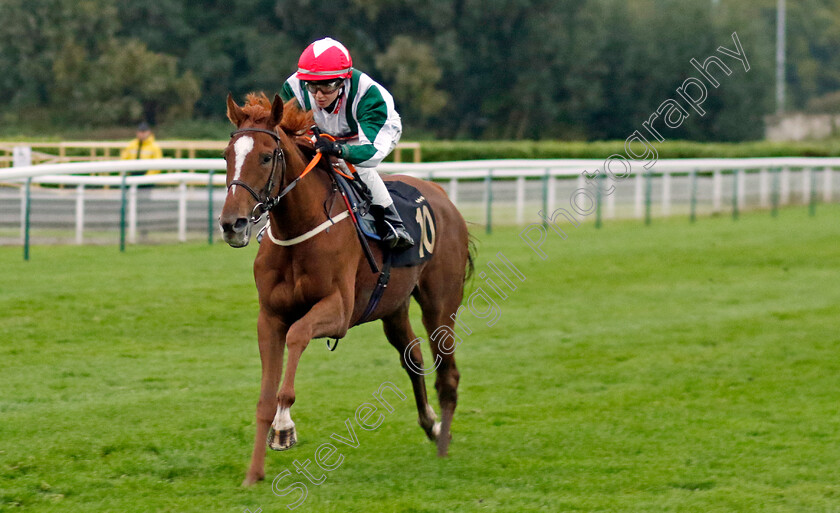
440 151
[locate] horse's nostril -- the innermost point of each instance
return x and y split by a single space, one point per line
240 224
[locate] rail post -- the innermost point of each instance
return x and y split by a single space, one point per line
598 198
648 193
210 207
182 211
717 190
132 214
80 214
735 194
27 209
488 216
692 177
763 188
545 197
123 190
639 195
784 187
453 191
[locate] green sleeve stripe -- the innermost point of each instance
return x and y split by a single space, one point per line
357 153
372 113
286 93
351 96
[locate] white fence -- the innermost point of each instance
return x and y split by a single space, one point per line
60 203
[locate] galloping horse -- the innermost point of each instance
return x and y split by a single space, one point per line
320 287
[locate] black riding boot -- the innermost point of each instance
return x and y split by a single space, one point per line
391 228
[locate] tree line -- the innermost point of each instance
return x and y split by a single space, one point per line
490 69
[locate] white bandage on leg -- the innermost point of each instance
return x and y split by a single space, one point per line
377 187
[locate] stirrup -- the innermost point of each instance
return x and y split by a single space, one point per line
390 227
396 238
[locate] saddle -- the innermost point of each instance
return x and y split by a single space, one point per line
415 211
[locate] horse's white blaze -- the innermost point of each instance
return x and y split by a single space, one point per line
282 420
242 147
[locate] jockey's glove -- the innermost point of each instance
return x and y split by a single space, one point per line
327 147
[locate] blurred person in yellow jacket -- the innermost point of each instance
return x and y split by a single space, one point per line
143 147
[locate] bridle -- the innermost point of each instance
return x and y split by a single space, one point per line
265 203
264 200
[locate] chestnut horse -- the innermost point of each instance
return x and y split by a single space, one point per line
320 287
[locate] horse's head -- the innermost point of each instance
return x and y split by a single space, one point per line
256 164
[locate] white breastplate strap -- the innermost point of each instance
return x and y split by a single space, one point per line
308 235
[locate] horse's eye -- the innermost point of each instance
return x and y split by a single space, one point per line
266 159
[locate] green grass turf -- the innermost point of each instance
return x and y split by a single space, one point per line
677 367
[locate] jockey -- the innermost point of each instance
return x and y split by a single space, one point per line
360 114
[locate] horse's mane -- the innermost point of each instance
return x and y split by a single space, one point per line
295 120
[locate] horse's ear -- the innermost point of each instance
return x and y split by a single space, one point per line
234 111
276 111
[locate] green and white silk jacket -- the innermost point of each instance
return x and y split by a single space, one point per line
363 114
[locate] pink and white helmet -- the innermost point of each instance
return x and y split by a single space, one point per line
324 59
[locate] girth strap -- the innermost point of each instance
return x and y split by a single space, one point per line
381 285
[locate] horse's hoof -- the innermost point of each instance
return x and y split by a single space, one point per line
250 480
280 440
431 428
443 437
443 446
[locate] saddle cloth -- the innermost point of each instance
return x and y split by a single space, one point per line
415 211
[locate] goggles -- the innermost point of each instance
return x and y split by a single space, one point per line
325 86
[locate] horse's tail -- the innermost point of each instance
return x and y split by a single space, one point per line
472 251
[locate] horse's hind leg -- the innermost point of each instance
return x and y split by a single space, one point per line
439 298
442 344
401 336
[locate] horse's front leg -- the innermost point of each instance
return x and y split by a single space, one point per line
327 317
270 333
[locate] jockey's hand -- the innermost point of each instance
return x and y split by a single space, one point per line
327 147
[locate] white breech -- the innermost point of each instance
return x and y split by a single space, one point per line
377 187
